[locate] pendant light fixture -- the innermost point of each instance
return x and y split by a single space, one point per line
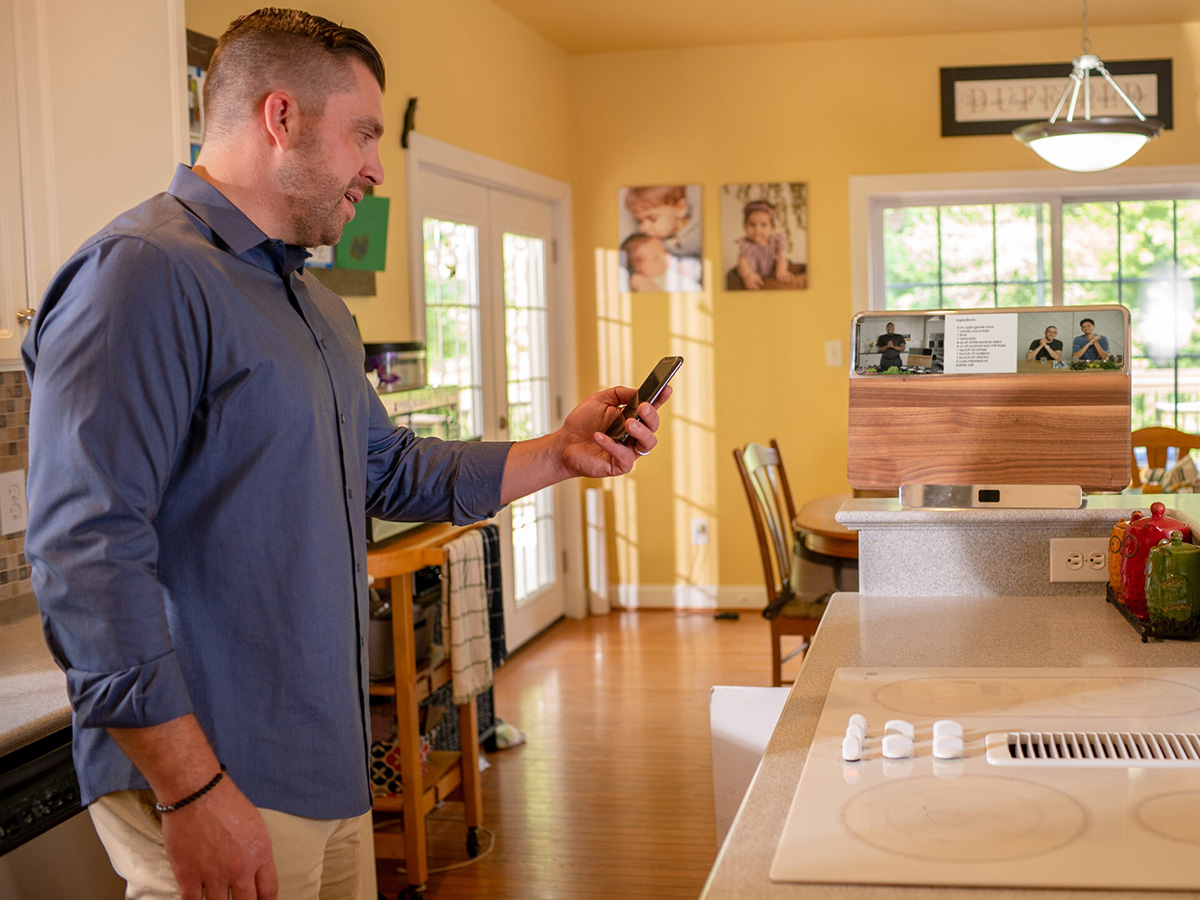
1088 144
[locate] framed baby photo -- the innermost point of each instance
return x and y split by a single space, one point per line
660 238
764 236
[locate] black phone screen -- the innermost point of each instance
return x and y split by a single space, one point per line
647 393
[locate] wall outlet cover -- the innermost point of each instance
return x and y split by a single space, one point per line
1079 559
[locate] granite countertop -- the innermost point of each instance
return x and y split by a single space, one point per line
33 690
928 632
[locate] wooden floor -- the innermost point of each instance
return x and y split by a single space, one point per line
611 795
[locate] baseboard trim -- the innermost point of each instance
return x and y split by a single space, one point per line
689 596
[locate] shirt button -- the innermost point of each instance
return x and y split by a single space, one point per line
350 493
342 418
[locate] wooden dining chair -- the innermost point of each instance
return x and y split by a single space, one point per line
773 510
1158 442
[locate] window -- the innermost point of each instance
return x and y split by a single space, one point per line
1139 247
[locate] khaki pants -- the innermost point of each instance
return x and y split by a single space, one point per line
316 859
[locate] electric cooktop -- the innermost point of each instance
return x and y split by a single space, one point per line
1037 778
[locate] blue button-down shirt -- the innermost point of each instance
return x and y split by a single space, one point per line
204 450
1081 340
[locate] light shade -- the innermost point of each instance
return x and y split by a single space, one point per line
1088 145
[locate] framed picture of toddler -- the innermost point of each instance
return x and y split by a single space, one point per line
660 238
764 236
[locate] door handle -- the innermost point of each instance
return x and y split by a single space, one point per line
503 422
25 316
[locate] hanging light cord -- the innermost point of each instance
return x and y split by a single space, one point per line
1086 45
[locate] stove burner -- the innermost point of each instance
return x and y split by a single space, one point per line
948 698
1129 697
1174 816
973 818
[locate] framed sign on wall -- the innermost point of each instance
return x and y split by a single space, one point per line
997 99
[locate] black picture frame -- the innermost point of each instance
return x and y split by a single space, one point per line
950 77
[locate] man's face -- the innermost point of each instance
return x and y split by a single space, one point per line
1088 328
661 221
335 160
891 329
1051 333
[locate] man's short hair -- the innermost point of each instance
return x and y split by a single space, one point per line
281 49
637 198
1081 321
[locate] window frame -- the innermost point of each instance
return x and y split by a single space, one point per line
870 194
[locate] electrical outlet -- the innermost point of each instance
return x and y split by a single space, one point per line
699 530
13 514
1079 559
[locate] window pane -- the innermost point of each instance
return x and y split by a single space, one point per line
1022 295
1023 244
967 244
1086 293
452 347
1187 239
913 298
1147 238
969 296
526 330
910 245
1089 241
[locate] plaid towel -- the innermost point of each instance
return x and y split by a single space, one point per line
466 601
495 590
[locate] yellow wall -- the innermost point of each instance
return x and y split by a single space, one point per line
484 82
812 112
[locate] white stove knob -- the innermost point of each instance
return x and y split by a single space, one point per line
897 746
947 728
851 748
857 730
860 721
947 747
899 726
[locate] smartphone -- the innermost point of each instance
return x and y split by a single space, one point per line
647 393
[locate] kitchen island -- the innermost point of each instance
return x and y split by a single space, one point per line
959 631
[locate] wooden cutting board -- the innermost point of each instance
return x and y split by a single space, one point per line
1055 428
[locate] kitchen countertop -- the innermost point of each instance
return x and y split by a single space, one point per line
920 632
33 690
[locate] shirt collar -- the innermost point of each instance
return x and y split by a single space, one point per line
232 226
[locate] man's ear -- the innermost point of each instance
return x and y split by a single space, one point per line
280 118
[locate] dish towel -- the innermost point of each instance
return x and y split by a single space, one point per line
466 602
495 592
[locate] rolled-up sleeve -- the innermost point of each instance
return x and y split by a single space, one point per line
114 359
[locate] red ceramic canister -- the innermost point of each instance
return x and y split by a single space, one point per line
1140 536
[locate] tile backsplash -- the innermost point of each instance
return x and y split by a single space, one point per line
14 454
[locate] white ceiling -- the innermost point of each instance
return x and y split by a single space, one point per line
599 26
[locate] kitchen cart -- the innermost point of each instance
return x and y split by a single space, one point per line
400 821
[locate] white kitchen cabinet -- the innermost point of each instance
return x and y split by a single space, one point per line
93 119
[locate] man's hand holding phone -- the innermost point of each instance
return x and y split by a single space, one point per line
654 391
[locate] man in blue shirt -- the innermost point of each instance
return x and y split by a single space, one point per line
204 452
1089 345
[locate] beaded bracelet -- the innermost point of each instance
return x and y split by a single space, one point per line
179 804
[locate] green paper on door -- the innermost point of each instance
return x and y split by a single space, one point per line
364 241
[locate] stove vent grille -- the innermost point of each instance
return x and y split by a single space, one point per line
1093 748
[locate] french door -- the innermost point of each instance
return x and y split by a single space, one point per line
487 256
